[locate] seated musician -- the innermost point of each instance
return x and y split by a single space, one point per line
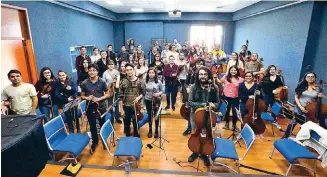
254 65
218 53
66 91
19 96
199 97
95 91
305 93
244 52
190 79
269 86
131 90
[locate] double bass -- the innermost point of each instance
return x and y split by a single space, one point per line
252 117
282 94
317 111
201 140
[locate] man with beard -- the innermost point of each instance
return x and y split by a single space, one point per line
189 81
95 91
200 97
81 57
131 90
19 96
254 66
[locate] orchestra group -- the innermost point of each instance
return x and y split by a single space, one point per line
130 82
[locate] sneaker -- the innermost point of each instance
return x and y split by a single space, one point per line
173 107
236 129
167 107
93 147
276 124
226 126
156 134
186 132
205 160
119 121
192 157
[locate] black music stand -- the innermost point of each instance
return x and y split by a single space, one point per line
233 135
161 139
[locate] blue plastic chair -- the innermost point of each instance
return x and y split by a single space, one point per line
275 110
144 120
38 112
292 151
225 148
59 140
127 146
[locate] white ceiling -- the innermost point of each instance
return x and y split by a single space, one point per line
183 5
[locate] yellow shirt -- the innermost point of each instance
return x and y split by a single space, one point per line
220 52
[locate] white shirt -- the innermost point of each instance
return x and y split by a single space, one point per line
95 58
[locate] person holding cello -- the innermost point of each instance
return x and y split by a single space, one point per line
199 96
269 86
231 81
131 90
153 92
305 93
190 79
247 91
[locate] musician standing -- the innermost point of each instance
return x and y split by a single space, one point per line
131 90
269 86
199 96
66 91
305 93
170 74
95 91
152 99
110 76
19 95
183 68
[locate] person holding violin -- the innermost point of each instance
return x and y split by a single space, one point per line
255 66
153 92
200 96
269 85
66 91
235 61
110 76
45 88
231 81
131 90
141 68
305 93
190 79
170 73
95 91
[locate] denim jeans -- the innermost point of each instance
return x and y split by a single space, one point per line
45 109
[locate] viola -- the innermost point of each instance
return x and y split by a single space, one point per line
317 111
282 94
201 140
216 71
252 117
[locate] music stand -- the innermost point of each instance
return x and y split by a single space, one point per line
233 135
161 139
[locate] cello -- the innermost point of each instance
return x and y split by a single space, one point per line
201 140
255 107
317 111
282 92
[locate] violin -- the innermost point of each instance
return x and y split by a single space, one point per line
138 113
94 107
282 94
216 71
317 111
201 140
252 117
185 110
111 88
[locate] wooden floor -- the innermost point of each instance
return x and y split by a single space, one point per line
177 150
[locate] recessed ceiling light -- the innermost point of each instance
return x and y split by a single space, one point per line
114 2
137 10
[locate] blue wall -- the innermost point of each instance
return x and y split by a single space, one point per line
320 58
55 28
119 35
279 37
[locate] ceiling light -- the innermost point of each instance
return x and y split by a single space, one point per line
114 2
137 10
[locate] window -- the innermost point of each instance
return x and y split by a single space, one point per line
206 36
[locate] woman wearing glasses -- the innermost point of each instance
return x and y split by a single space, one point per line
305 93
